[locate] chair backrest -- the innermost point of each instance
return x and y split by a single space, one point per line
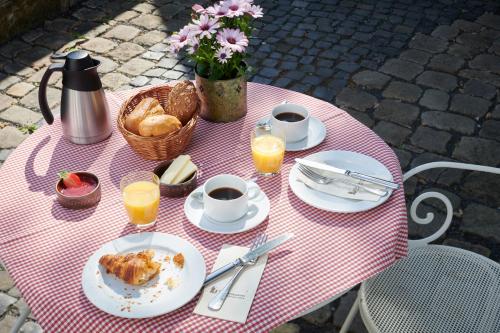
413 243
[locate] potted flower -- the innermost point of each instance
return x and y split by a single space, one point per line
217 40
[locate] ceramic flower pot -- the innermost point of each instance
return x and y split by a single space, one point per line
222 101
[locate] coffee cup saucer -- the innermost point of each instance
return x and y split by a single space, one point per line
316 133
258 210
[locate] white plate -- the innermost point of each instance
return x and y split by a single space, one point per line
115 297
316 133
258 209
345 160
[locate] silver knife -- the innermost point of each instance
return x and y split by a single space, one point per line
250 255
349 173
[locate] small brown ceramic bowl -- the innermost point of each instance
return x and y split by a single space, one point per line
80 202
176 190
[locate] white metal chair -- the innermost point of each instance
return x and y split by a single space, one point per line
435 289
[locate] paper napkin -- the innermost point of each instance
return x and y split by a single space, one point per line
339 188
239 301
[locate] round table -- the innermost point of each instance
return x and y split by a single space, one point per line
45 246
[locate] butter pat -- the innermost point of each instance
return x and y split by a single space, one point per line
174 169
187 171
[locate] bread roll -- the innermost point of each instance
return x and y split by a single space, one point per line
147 107
182 101
159 125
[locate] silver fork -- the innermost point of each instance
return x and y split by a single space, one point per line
219 299
317 178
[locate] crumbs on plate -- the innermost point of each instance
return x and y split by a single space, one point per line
172 283
179 260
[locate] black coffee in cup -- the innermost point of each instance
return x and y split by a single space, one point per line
290 117
225 193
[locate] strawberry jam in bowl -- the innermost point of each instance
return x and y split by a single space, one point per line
78 190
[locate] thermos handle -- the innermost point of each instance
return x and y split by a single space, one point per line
42 92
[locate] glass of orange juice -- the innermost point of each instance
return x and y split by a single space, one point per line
141 196
268 149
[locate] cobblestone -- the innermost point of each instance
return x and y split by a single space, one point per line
491 130
446 63
431 139
403 91
401 69
435 99
20 115
478 150
428 44
479 89
99 45
449 122
469 106
126 51
438 80
482 221
371 79
401 113
356 99
433 67
392 133
122 32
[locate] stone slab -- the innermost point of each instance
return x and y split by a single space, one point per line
490 130
438 80
446 63
481 221
136 66
403 91
402 69
392 133
400 113
449 122
478 150
431 139
122 32
126 51
479 89
469 105
356 99
19 115
435 99
99 45
371 79
428 43
11 137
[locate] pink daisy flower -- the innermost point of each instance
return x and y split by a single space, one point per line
255 11
223 54
233 39
205 26
236 7
217 10
194 43
179 40
198 9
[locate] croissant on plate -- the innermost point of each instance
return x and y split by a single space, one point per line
133 268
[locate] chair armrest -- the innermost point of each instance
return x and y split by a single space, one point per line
436 195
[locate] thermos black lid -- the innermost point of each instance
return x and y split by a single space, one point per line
78 61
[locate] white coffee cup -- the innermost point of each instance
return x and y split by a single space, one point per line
228 210
296 130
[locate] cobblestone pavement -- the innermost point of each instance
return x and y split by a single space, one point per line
425 75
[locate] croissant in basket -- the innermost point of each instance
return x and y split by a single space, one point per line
147 107
180 101
132 268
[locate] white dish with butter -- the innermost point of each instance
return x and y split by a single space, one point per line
258 210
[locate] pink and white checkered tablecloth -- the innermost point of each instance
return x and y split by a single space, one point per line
45 246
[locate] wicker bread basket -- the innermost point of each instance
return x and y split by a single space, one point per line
159 148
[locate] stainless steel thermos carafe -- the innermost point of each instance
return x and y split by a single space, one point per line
84 111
